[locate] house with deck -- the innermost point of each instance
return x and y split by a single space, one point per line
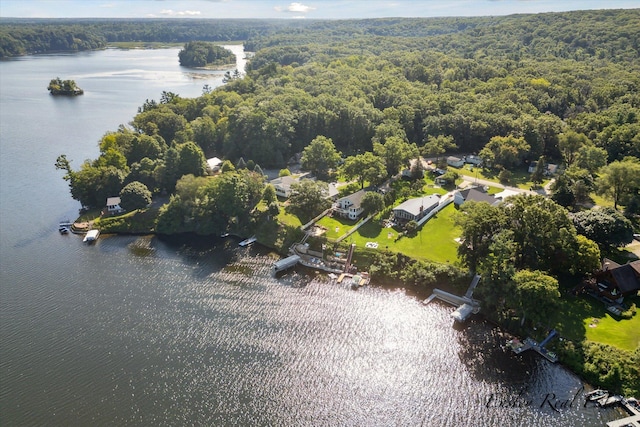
415 209
350 206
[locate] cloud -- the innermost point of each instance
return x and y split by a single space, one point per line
299 8
295 8
169 12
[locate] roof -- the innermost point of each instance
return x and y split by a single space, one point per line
626 276
333 190
113 201
214 162
476 195
354 198
415 206
284 181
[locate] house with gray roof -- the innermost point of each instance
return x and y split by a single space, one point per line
476 194
415 209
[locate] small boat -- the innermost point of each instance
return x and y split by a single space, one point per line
91 236
248 241
64 230
596 394
223 235
355 281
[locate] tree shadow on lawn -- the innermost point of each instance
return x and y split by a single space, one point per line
569 318
371 230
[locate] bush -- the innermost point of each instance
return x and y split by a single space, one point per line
628 314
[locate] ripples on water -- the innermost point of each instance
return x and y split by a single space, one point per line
208 337
136 331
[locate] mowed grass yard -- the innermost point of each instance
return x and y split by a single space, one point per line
583 317
433 242
336 226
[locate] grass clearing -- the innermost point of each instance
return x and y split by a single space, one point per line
580 318
433 242
336 227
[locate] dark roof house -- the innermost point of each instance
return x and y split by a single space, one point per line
625 278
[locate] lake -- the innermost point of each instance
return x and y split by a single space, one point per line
138 331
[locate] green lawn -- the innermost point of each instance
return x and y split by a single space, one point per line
585 318
434 242
288 219
336 227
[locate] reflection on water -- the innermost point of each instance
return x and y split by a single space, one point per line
137 330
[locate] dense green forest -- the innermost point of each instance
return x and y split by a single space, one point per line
29 36
528 79
201 54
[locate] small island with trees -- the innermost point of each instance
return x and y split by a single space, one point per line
205 55
64 87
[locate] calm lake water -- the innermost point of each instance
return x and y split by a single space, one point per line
137 331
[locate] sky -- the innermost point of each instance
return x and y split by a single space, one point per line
311 9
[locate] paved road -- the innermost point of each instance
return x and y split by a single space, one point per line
480 181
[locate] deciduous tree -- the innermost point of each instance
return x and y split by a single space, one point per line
320 157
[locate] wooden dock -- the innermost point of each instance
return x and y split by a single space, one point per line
633 420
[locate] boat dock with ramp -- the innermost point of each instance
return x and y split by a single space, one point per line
466 304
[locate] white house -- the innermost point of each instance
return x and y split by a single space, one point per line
415 209
214 164
350 206
113 205
283 185
456 162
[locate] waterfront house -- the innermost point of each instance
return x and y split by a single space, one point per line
456 162
415 209
350 206
113 205
619 279
476 194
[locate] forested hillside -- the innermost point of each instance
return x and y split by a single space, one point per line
531 79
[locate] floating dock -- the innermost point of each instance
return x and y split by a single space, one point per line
466 304
286 263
